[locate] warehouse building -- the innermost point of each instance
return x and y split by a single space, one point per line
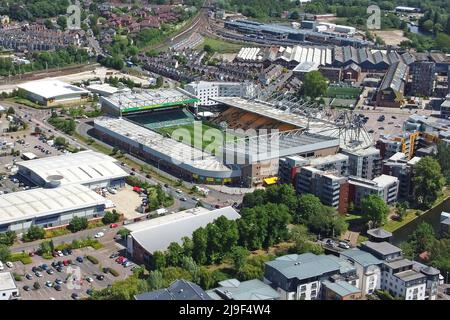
88 168
54 92
157 234
49 208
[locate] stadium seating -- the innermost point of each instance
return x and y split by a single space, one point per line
163 119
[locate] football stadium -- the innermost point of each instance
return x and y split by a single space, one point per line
162 128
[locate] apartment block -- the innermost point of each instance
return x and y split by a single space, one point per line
386 187
364 163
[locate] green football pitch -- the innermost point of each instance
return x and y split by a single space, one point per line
210 137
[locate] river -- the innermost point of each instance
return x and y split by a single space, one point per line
431 216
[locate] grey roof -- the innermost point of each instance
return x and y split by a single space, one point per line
379 233
395 76
233 289
409 275
341 288
383 248
401 263
178 290
430 271
307 265
157 234
445 218
361 257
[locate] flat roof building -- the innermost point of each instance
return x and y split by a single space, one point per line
89 168
157 234
54 92
48 207
8 287
178 290
233 289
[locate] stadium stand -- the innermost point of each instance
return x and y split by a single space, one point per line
163 119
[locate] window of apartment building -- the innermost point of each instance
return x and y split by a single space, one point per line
314 286
303 296
303 288
313 293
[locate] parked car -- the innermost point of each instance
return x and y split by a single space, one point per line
89 279
114 255
26 288
80 259
100 277
89 292
45 267
49 284
65 252
29 276
99 235
38 274
113 225
58 281
343 245
9 264
106 270
58 287
50 271
74 296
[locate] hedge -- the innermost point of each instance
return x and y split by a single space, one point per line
92 259
22 257
113 272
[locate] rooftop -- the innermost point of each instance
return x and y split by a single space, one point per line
409 275
7 281
185 156
178 290
308 265
149 99
361 257
40 202
246 290
81 167
342 288
384 248
379 233
400 263
156 234
51 88
385 180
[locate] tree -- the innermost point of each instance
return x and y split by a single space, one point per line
428 25
442 156
200 241
239 256
187 263
427 181
8 237
294 15
207 48
314 85
78 224
34 233
375 209
5 254
62 22
304 241
46 247
155 280
308 205
110 217
60 141
400 210
422 238
48 24
10 111
174 254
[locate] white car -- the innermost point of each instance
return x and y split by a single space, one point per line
178 191
112 191
59 252
9 264
1 266
89 279
99 235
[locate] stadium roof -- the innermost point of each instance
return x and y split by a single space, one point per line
279 144
149 99
82 167
183 155
158 233
51 88
40 202
314 125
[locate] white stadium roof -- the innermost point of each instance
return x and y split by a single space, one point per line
185 156
40 202
81 167
157 234
51 88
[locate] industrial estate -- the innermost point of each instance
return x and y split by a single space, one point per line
203 150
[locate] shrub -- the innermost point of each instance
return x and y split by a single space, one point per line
113 272
78 224
36 285
92 259
22 257
34 233
47 256
17 277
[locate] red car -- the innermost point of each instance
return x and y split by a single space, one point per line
137 189
113 225
66 262
120 259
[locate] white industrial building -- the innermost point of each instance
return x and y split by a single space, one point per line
8 288
88 168
49 208
157 234
205 91
54 92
